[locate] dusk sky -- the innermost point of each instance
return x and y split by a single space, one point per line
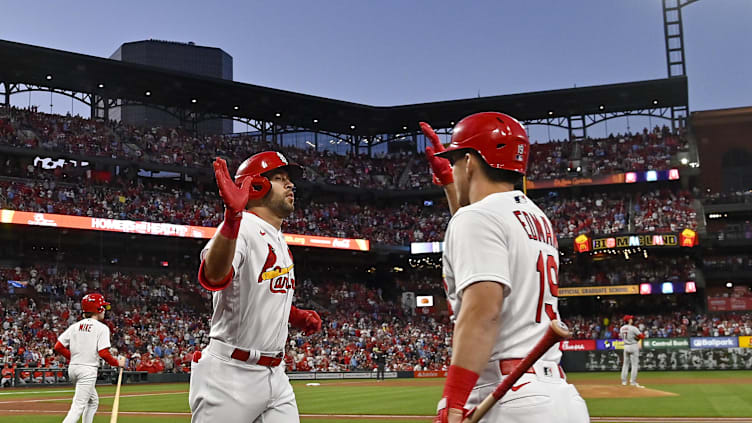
398 52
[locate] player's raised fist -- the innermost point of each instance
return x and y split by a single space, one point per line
312 323
440 168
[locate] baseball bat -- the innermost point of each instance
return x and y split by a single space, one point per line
556 332
116 402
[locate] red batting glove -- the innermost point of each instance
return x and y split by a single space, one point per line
235 198
306 320
312 323
441 169
457 388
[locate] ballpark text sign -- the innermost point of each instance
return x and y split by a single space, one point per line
163 229
716 342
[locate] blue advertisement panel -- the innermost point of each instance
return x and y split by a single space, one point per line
609 344
716 342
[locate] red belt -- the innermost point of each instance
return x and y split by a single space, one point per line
264 360
508 365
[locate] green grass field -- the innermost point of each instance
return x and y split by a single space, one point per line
699 394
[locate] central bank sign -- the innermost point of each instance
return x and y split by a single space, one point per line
665 343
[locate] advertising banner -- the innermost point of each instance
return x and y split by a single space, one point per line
577 345
562 183
164 229
582 291
745 342
715 342
668 359
430 373
609 344
665 343
729 304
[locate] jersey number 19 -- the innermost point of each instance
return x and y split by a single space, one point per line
548 273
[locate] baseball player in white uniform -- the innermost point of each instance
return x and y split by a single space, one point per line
240 376
83 344
631 337
501 263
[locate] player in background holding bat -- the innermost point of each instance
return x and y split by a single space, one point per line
631 337
83 343
501 264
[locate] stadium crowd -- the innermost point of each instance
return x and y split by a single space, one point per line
629 152
618 271
159 320
664 325
174 146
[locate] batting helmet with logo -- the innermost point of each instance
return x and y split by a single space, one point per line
94 303
628 317
499 139
261 163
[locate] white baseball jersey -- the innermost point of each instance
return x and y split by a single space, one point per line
628 334
506 238
85 339
253 310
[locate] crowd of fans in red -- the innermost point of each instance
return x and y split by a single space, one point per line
86 192
159 320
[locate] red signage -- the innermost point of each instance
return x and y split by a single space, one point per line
164 229
430 373
562 183
729 304
577 345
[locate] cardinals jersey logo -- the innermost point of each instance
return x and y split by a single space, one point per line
280 278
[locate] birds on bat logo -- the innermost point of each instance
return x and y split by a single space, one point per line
280 278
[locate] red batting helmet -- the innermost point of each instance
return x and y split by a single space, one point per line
499 139
94 303
260 163
628 317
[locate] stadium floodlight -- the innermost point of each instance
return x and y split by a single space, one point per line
49 77
194 101
451 123
601 107
352 126
315 121
236 107
148 93
655 101
100 85
729 284
278 114
684 160
550 112
404 128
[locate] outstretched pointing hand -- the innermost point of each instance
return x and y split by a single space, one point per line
440 168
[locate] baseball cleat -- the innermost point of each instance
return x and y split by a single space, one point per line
624 383
636 385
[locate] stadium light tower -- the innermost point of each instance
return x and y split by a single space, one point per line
673 32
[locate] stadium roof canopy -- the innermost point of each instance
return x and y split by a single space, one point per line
27 64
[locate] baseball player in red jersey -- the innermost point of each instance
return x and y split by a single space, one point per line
83 343
501 262
240 377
